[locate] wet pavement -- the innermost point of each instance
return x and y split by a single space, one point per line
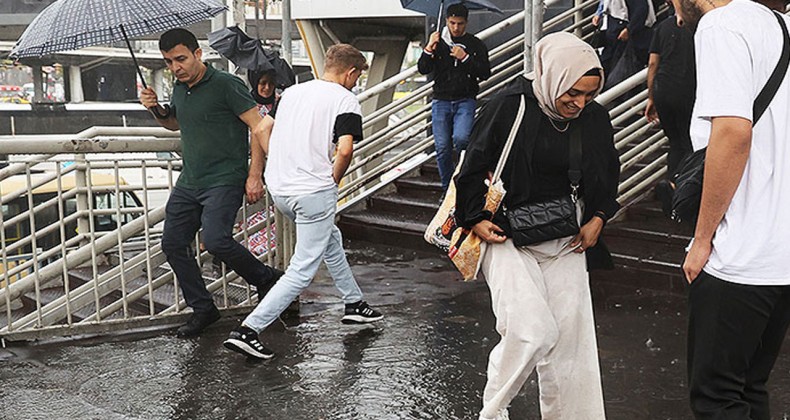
425 360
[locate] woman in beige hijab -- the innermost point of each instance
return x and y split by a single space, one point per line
540 292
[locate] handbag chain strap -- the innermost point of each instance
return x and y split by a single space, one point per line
575 163
509 144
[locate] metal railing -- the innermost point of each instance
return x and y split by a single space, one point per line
81 224
92 268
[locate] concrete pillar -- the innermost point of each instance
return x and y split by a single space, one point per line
75 85
287 52
38 84
387 61
312 36
159 81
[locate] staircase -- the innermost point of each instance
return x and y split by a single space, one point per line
398 215
647 248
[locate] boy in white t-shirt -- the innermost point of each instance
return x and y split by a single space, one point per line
314 122
738 264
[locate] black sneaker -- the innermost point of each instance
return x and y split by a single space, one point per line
245 341
198 322
263 288
360 313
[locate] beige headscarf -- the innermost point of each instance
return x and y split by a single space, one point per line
561 59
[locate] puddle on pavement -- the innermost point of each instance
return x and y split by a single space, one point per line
425 360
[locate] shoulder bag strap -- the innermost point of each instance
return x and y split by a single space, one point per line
575 162
777 77
509 144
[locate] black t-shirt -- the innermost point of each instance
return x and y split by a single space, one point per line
550 162
675 46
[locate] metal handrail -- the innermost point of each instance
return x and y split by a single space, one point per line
635 143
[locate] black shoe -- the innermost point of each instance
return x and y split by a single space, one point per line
360 313
263 288
245 341
198 322
664 192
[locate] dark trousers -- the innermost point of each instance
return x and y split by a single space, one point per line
215 210
674 111
614 48
735 334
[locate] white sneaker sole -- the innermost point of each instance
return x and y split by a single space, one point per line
359 319
241 347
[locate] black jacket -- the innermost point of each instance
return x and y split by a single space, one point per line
456 81
600 162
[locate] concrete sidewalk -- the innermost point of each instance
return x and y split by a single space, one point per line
425 360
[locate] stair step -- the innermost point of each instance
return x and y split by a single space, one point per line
430 168
646 234
385 228
421 208
653 256
420 186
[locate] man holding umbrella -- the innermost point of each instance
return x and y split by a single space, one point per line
458 62
214 112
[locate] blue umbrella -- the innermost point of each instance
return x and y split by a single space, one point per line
73 24
435 7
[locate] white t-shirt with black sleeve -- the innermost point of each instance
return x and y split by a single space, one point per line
738 47
308 121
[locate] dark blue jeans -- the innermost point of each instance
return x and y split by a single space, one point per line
452 124
735 335
215 210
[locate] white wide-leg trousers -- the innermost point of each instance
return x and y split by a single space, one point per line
541 299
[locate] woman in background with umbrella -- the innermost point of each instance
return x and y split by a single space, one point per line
264 90
540 290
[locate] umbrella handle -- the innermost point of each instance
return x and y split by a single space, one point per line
154 110
134 59
439 19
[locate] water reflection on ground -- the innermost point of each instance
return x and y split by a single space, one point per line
425 360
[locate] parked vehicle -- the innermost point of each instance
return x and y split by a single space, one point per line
104 198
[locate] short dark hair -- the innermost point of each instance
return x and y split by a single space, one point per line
342 57
177 36
458 10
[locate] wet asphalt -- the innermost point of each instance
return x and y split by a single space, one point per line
425 360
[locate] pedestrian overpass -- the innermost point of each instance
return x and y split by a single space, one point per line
82 256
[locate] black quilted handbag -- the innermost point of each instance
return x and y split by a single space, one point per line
533 223
688 179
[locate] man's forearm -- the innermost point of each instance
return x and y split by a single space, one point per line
725 161
257 156
341 164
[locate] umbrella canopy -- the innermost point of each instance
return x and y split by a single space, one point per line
435 7
73 24
248 53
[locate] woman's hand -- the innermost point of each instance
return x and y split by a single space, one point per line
588 235
489 232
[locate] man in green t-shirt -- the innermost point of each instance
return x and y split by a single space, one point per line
215 112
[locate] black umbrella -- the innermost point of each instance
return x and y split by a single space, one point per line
435 7
74 24
248 53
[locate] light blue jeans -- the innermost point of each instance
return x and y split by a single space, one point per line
317 239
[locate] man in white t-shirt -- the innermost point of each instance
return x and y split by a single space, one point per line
738 264
314 122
